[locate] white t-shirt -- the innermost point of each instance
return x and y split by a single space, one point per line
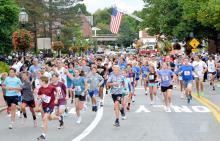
199 66
17 66
62 74
211 66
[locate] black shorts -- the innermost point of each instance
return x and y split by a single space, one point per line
164 89
81 98
213 73
30 104
117 97
11 100
48 110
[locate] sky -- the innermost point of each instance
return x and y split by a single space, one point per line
126 5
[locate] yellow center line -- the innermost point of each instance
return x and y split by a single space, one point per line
211 103
215 113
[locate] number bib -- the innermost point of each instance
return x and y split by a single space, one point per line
78 88
165 78
151 77
186 73
59 92
46 98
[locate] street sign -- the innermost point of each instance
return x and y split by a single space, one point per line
195 50
194 43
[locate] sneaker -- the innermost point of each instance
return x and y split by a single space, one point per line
79 120
101 104
41 137
10 126
123 117
61 122
190 96
9 115
116 124
213 89
95 108
151 103
188 100
168 110
146 93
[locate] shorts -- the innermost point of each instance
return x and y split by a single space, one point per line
80 97
137 79
180 78
117 97
30 103
19 99
152 84
11 100
93 93
48 110
213 73
164 89
186 83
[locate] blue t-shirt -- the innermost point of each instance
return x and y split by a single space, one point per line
136 70
12 82
166 77
118 79
123 65
186 72
79 85
145 71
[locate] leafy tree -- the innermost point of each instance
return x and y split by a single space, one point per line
8 23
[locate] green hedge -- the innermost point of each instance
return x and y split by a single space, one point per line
3 67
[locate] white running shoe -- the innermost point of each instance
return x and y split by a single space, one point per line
11 125
168 110
79 120
152 102
123 118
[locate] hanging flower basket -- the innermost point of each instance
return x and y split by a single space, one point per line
22 40
57 45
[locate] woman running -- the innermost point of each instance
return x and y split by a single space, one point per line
152 83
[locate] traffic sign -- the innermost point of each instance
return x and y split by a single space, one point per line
194 43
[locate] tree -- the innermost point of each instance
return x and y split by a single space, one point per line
8 23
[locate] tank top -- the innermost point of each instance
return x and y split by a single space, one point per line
152 77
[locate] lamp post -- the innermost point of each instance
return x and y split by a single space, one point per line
23 17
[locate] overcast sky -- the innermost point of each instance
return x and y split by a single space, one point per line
127 5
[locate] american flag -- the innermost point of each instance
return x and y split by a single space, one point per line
115 20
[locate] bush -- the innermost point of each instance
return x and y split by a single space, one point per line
4 67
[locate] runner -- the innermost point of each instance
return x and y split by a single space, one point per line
116 83
131 76
186 71
152 83
80 87
61 96
211 71
166 83
27 98
12 85
69 81
95 81
200 68
145 71
49 99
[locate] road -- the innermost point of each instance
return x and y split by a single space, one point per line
186 122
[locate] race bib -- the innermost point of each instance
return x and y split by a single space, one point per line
165 78
59 93
145 72
186 73
151 77
78 88
46 98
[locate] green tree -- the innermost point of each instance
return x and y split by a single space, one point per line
8 23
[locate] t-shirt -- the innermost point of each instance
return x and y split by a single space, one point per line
199 67
136 71
12 82
145 71
166 77
120 80
26 91
61 92
48 96
186 72
69 81
211 66
79 85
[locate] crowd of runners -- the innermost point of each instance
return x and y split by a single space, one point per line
47 85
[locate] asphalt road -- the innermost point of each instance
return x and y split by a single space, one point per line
186 122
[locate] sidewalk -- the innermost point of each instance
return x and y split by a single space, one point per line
2 101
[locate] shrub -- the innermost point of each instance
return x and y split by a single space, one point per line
3 67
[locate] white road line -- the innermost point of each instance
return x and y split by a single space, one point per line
92 126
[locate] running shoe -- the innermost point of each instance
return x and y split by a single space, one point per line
123 117
190 96
188 99
41 137
116 124
79 120
95 108
213 89
152 102
146 93
101 104
61 122
10 126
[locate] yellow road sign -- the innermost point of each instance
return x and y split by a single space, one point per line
194 43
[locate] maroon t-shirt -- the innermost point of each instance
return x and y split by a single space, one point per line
48 96
61 91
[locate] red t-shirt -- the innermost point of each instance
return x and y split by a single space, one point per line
48 96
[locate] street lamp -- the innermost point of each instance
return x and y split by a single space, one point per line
23 16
